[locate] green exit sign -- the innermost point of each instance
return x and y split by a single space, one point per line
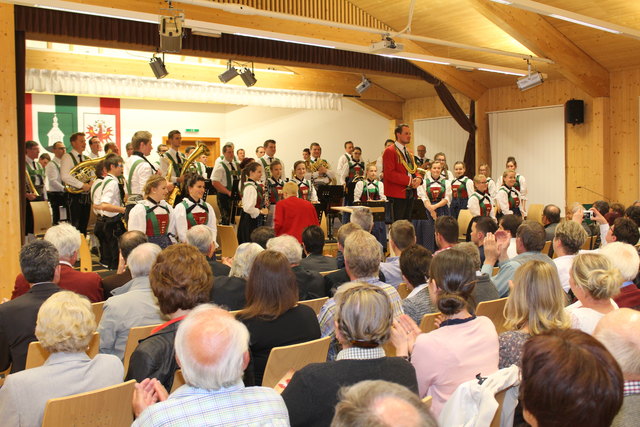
192 130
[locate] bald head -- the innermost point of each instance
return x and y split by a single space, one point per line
211 348
618 332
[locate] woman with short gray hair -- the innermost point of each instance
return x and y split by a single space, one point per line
229 291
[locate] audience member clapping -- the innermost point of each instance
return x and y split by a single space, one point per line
272 315
229 291
64 328
510 224
569 379
363 319
310 283
463 346
180 279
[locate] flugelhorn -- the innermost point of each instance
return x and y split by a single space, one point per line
201 149
84 172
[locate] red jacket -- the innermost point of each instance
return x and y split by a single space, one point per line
628 297
293 215
87 284
396 179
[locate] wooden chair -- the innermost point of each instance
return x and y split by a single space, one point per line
106 407
403 290
427 400
213 201
330 249
97 308
86 263
494 310
428 322
135 335
495 271
495 422
295 357
464 218
324 273
3 375
534 212
324 225
589 243
37 355
41 217
315 304
228 240
547 247
178 381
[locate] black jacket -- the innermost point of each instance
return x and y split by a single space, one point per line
229 292
310 283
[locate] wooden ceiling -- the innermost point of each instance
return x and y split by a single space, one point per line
585 56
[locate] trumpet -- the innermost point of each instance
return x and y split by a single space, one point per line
31 187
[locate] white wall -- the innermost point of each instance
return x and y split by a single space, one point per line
442 134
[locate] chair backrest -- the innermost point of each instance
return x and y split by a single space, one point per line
323 225
315 304
228 240
330 249
324 273
428 322
547 247
37 355
86 263
403 290
496 270
41 217
494 310
178 380
105 407
296 356
3 375
534 212
135 335
464 218
98 308
213 201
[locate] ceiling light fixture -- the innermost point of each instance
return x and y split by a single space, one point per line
530 81
229 74
158 68
363 85
248 77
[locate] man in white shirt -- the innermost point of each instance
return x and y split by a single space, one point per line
222 177
79 203
173 157
269 156
55 192
94 147
138 169
344 159
568 239
111 205
421 156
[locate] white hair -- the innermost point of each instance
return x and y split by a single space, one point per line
201 237
243 260
624 257
211 333
363 217
66 239
142 258
288 246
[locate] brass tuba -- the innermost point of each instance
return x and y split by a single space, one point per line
201 148
84 172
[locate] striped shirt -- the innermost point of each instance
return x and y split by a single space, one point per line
229 406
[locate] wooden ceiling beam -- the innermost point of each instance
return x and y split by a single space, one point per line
538 35
388 109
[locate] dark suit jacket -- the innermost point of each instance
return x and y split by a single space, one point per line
18 324
87 284
114 281
334 280
218 268
229 292
310 283
319 263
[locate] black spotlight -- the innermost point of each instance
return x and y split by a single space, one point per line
248 77
229 74
158 68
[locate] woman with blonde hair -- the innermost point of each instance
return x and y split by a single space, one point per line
594 281
64 327
535 305
154 216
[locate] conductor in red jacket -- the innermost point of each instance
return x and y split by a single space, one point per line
293 214
400 174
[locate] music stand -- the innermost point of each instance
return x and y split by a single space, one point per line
377 216
328 196
419 212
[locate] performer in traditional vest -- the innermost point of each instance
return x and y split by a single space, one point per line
372 189
485 170
154 216
435 193
343 161
306 190
445 173
174 157
55 187
109 202
223 176
35 191
480 202
352 171
199 166
274 186
254 202
269 157
79 203
461 189
508 198
193 210
138 169
520 184
222 156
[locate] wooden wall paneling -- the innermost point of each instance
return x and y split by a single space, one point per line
10 194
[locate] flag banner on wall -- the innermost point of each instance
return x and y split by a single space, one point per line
51 118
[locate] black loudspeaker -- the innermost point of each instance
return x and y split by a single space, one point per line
574 111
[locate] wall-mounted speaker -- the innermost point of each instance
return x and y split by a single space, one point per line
574 111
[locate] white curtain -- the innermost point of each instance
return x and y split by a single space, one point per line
535 137
121 86
441 134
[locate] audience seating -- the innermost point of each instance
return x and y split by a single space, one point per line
403 290
97 308
135 335
494 310
323 225
37 355
315 304
324 273
589 243
41 217
330 249
427 400
228 240
3 375
534 212
178 381
296 356
86 263
212 199
495 270
106 407
464 218
547 247
428 322
495 422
